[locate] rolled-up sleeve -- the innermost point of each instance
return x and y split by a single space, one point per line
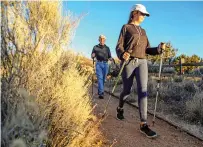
119 47
153 50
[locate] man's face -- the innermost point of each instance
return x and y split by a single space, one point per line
102 41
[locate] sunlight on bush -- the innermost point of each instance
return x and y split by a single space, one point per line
45 95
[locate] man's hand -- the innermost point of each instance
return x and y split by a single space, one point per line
112 60
108 77
93 55
126 56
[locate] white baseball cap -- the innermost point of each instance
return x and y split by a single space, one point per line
102 36
141 8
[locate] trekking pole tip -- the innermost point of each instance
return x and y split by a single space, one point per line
153 122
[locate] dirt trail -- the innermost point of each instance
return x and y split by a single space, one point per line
127 134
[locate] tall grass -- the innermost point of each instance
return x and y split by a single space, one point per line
182 98
57 103
45 100
194 111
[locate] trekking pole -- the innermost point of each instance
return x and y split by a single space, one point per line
158 86
93 78
116 82
111 76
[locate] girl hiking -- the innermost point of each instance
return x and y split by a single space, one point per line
131 49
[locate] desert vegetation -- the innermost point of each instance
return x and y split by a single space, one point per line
45 100
180 96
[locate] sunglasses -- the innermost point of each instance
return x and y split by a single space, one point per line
143 14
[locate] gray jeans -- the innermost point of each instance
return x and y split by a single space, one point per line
136 68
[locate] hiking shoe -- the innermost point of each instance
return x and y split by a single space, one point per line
120 112
101 97
144 128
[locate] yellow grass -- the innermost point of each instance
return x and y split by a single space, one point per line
45 96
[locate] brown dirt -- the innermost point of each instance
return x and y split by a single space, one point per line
127 134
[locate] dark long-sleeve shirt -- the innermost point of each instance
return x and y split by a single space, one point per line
102 52
135 43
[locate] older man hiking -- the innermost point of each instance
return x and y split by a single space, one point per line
102 54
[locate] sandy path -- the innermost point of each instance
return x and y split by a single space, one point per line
127 134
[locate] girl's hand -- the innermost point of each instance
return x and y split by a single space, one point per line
126 56
162 46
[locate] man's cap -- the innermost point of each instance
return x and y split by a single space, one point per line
141 8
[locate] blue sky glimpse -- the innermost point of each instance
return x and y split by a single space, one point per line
181 23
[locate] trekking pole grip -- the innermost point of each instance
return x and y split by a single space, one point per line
121 70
